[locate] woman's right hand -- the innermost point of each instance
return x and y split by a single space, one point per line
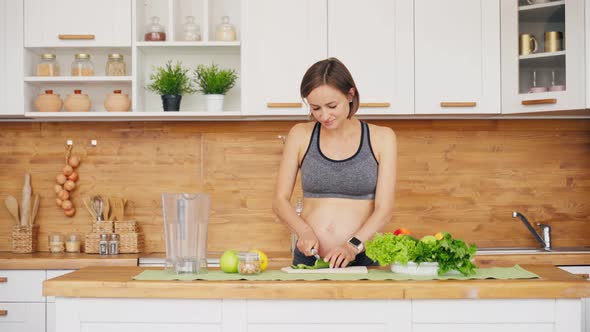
306 241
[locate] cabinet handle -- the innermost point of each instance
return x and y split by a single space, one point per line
539 101
584 275
3 279
3 312
76 37
284 105
458 104
375 105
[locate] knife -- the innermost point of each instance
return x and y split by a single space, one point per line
314 252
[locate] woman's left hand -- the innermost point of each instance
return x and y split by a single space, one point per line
341 255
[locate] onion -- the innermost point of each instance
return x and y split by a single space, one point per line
57 188
69 185
67 170
67 205
60 178
70 213
58 202
74 161
63 195
73 176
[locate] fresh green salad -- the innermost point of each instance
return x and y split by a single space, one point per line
449 253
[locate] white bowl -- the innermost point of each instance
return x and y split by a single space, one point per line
422 269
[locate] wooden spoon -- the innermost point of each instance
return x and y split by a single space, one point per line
12 205
35 209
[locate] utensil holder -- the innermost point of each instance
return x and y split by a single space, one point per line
127 226
103 227
131 243
24 239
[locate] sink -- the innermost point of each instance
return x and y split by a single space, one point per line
529 250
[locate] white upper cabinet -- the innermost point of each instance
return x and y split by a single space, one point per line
11 59
457 56
543 66
281 39
77 23
375 41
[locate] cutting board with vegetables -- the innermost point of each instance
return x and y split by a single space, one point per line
348 269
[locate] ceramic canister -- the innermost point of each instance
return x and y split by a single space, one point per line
48 102
77 102
117 102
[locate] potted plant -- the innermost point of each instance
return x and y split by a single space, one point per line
171 82
214 83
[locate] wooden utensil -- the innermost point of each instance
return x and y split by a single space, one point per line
86 201
12 205
106 208
25 208
35 209
117 205
342 270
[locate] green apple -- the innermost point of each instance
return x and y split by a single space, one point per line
428 239
229 261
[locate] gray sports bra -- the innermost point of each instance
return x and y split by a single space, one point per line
353 178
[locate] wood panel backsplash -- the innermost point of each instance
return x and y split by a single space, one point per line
465 177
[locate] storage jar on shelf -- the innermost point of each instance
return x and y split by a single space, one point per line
82 66
48 102
225 31
77 102
115 65
117 102
48 65
192 31
155 31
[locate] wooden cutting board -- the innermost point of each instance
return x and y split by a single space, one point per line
350 269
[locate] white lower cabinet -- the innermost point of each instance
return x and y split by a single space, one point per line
22 317
517 315
50 308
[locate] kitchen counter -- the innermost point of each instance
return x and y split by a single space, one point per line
66 261
116 282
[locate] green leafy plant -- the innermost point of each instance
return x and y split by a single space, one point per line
449 253
171 80
211 80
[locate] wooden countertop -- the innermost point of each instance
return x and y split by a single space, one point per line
116 282
66 261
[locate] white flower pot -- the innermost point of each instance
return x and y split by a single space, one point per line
214 103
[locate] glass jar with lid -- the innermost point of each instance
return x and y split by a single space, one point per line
192 31
82 66
225 31
115 65
155 31
248 263
48 65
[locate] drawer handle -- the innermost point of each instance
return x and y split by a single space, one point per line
458 104
3 312
584 275
375 105
539 101
3 279
76 37
284 105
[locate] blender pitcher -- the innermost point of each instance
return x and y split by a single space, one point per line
185 227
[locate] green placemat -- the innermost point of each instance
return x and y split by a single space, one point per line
515 272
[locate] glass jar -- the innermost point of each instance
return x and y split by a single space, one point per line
82 66
115 65
48 65
73 243
155 31
248 263
192 31
225 31
56 243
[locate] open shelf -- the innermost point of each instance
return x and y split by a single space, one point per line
77 79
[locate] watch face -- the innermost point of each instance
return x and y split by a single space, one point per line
356 242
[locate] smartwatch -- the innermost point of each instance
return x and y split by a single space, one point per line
358 244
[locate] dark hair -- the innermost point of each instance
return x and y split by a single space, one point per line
334 73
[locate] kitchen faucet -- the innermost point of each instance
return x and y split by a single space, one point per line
546 229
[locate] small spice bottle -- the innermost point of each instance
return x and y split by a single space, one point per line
155 31
114 244
248 263
82 66
56 243
48 65
73 243
115 65
103 245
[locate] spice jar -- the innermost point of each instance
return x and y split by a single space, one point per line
115 65
103 245
77 102
48 102
225 31
155 31
56 243
48 65
73 243
117 102
114 244
192 31
82 66
248 263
